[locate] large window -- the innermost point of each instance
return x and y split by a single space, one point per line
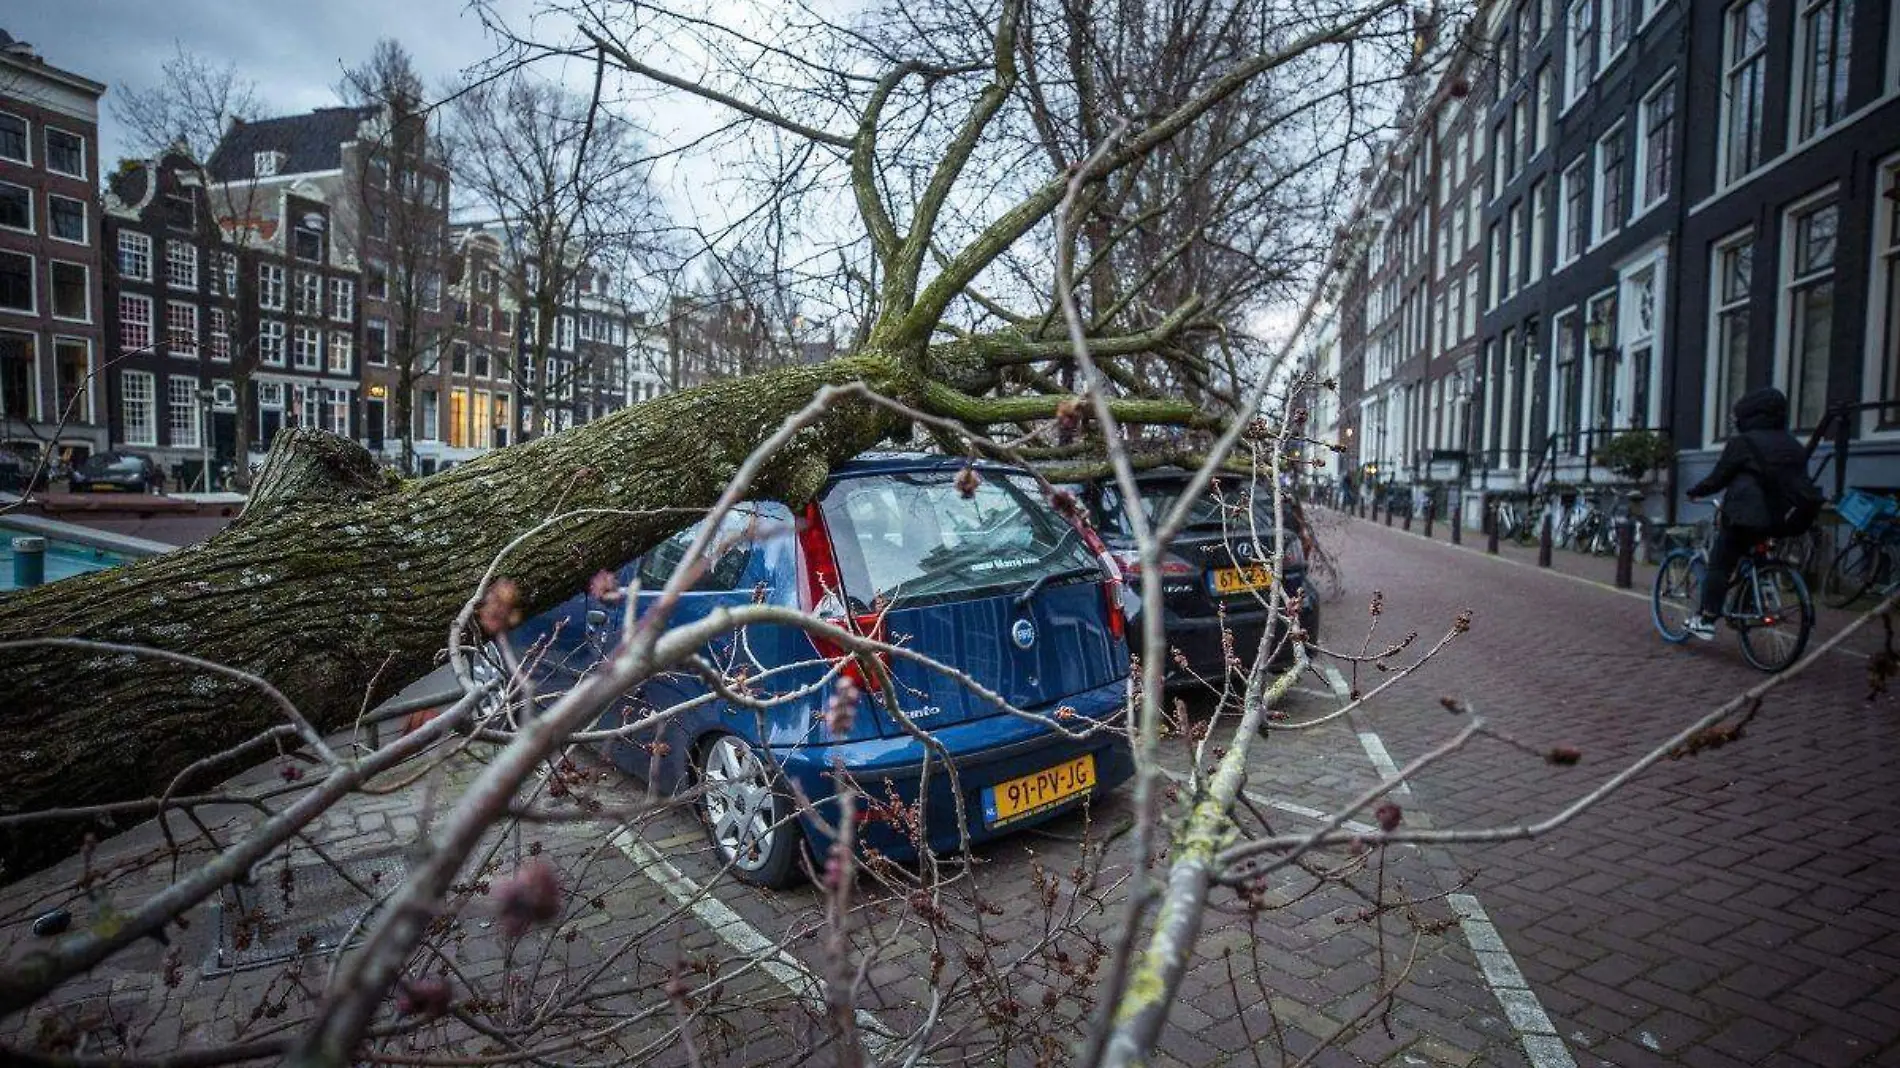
1618 15
19 373
135 324
1540 222
181 328
218 337
1611 181
65 153
1811 235
181 265
270 287
376 341
1744 64
309 351
1883 371
1655 145
16 207
1501 153
1573 212
426 414
1540 139
309 295
72 291
66 218
14 143
1580 53
1514 245
458 418
342 352
1566 408
186 415
342 299
1824 37
72 371
135 256
1730 269
17 284
270 343
138 407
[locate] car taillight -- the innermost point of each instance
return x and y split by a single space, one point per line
1111 570
1172 566
823 592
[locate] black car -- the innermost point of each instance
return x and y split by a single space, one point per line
126 472
1218 562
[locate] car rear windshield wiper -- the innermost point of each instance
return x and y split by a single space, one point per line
1035 587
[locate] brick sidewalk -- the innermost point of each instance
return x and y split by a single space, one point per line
1736 907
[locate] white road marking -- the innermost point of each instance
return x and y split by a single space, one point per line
731 928
1375 751
1501 973
1334 679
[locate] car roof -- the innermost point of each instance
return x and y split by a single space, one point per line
867 463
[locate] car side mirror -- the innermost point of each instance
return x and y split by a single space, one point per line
596 619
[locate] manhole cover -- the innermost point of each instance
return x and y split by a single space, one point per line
262 924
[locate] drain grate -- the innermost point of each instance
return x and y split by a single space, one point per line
260 925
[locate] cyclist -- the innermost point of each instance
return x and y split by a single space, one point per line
1759 448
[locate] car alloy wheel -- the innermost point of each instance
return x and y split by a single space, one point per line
744 812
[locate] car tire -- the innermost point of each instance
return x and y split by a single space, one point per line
746 812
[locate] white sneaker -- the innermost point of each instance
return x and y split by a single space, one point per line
1699 627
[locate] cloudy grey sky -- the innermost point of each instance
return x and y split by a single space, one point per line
294 50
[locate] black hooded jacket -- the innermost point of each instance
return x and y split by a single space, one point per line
1761 417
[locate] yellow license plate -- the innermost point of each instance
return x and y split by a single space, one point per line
1242 579
1018 799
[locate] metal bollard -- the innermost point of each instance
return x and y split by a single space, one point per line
1491 527
1544 543
1431 506
1388 511
1457 518
1408 519
29 561
1625 553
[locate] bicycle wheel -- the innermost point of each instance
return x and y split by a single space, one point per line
1677 591
1775 632
1854 570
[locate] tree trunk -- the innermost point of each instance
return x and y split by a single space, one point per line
333 577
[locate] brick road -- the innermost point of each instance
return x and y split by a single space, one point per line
1737 907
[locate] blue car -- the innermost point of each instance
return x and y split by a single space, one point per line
986 578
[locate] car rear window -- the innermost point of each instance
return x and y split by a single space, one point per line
914 537
1222 506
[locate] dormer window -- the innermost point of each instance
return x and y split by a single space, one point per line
267 164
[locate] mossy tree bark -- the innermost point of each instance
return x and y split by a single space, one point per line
332 579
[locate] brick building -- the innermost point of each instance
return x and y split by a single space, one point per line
52 294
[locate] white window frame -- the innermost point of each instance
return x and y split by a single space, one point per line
1639 177
1714 404
1883 304
428 414
172 306
1630 338
85 153
306 352
26 138
32 211
193 437
342 352
272 287
1514 249
85 274
1799 88
32 283
1731 66
83 412
147 393
1608 51
1539 198
1786 285
85 220
126 345
308 297
266 164
375 356
218 335
180 255
1565 256
1602 228
1578 74
1542 102
271 338
342 299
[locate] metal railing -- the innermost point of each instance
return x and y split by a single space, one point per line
1838 425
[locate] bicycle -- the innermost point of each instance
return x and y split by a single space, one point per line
1870 561
1767 603
1521 525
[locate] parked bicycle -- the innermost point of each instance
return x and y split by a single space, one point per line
1870 561
1767 604
1518 520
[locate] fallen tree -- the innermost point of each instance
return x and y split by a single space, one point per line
335 585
